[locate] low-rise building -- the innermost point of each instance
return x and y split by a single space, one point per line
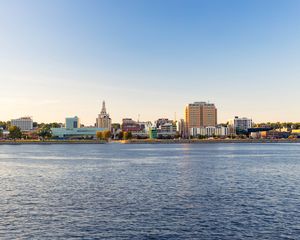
273 134
73 129
138 129
166 128
218 131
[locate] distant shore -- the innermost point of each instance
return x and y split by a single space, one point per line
18 142
199 141
150 141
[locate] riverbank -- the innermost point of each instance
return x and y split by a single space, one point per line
18 142
150 141
199 141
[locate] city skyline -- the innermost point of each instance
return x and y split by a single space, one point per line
149 59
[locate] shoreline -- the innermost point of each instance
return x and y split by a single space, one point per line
149 141
48 142
212 141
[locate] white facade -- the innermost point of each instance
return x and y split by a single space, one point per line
240 124
219 131
24 123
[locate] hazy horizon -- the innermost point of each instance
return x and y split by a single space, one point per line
149 59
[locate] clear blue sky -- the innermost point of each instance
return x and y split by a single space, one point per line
62 58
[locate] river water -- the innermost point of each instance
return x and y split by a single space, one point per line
115 191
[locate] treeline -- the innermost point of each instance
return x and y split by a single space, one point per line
105 135
7 124
276 125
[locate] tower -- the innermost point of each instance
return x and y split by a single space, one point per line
103 120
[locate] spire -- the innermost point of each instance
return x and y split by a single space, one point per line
103 111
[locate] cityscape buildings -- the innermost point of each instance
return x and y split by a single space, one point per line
200 122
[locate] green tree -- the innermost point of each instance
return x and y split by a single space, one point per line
115 126
5 125
1 133
126 135
45 132
14 132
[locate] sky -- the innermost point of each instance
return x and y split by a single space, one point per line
149 59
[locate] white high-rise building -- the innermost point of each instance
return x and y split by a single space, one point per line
24 123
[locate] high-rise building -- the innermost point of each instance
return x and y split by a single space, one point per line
24 123
200 114
103 120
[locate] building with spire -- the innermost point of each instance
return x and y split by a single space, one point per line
103 120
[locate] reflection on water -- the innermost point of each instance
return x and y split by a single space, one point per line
205 191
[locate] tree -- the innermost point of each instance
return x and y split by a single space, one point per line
127 135
15 132
106 134
99 135
45 132
5 125
1 133
121 135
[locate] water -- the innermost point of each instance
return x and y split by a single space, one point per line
206 191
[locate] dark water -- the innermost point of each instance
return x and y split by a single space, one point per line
209 191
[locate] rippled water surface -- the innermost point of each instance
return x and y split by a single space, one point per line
113 191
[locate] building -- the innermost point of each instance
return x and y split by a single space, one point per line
166 128
129 125
153 133
73 129
273 134
218 131
200 114
72 122
240 125
180 127
24 123
137 128
103 120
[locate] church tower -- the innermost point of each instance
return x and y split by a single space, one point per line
103 120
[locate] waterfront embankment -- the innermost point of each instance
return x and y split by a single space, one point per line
150 141
199 141
18 142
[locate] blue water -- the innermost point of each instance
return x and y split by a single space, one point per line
114 191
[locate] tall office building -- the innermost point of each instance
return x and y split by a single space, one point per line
200 114
103 120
